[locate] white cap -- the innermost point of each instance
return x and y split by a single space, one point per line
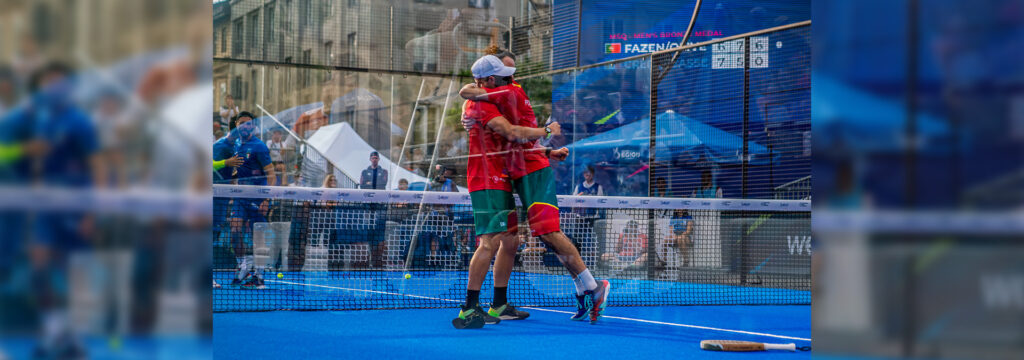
491 65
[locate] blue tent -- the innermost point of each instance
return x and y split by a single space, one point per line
677 135
841 113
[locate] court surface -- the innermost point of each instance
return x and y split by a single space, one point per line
625 332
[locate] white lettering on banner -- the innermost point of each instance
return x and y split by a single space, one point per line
1003 291
626 154
797 244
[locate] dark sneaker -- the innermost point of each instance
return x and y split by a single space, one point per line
600 296
583 304
469 318
507 312
254 283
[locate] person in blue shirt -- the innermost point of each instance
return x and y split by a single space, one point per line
53 143
224 159
256 169
224 163
707 187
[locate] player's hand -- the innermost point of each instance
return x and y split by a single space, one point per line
560 154
556 129
234 161
467 123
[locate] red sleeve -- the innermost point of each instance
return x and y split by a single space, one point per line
481 111
498 94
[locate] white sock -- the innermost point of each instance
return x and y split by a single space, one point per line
579 285
243 268
588 280
256 270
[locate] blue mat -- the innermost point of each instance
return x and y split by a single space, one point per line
626 332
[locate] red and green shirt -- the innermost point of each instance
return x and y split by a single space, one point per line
487 149
514 104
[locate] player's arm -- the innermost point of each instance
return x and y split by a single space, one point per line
472 92
517 133
271 176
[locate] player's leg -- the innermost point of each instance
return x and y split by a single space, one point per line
538 190
503 264
252 214
493 213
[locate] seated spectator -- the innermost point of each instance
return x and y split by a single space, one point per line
681 237
631 248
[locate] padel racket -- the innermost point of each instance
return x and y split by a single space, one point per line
733 345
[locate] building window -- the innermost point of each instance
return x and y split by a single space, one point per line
287 76
352 49
480 4
353 3
268 23
329 53
476 43
425 51
254 23
236 87
224 39
306 58
305 13
236 38
286 21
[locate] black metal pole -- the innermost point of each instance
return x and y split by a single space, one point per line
911 125
743 161
746 113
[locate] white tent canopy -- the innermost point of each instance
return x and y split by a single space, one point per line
340 144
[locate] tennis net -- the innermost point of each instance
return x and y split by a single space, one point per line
337 249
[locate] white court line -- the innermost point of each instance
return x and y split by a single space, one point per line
558 311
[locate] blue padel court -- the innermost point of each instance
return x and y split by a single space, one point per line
419 329
625 332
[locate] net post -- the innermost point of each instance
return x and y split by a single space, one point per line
652 239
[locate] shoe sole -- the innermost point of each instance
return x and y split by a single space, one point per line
472 323
510 317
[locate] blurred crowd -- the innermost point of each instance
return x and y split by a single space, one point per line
116 258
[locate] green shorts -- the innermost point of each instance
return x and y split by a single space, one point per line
537 192
494 211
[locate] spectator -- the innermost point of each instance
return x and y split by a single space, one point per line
660 188
682 231
279 154
228 112
218 132
707 188
403 184
589 186
443 181
631 248
374 177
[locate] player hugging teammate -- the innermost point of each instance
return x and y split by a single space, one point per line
504 157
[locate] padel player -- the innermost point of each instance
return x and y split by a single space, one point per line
494 213
533 179
256 169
